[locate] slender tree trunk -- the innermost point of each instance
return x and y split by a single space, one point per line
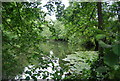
100 21
99 62
99 8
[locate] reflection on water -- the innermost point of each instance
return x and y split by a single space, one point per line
54 65
57 50
48 70
60 49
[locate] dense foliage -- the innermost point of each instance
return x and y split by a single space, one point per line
91 22
94 26
21 34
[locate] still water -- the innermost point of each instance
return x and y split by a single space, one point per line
56 50
51 60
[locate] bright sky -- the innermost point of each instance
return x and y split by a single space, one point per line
65 2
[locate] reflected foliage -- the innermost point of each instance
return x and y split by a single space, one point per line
86 35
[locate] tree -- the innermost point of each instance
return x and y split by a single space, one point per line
91 25
21 34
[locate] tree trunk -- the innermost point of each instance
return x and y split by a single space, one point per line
100 22
99 62
99 8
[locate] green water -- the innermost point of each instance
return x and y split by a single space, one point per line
58 49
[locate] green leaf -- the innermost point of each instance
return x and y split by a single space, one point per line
33 77
28 72
116 49
27 78
101 69
111 59
104 45
100 36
